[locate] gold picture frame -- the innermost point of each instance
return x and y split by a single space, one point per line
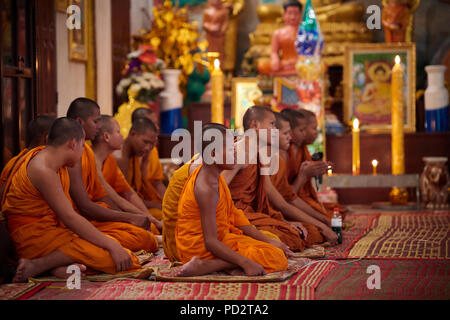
243 93
61 6
367 87
78 38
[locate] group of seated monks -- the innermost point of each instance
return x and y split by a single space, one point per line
82 194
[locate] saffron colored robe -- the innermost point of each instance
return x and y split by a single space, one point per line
9 167
281 183
248 194
189 232
142 181
129 236
37 231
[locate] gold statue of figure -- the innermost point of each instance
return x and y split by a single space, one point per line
236 7
397 19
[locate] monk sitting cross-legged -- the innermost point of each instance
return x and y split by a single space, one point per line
108 140
318 223
37 131
129 228
47 233
211 233
141 139
301 168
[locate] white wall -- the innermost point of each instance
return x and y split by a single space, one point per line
104 56
71 76
138 20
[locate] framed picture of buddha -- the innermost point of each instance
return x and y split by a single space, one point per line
244 91
367 84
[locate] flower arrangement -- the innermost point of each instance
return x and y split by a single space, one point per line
142 76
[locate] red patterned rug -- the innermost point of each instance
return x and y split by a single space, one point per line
361 224
400 280
301 286
421 235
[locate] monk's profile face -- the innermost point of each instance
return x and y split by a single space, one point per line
114 138
268 124
292 16
298 133
143 143
311 131
285 135
91 124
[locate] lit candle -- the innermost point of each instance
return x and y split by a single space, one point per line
330 171
355 147
374 165
217 93
398 151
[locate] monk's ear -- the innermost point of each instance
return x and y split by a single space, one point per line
254 124
72 143
80 121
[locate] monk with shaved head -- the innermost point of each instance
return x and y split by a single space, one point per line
131 229
47 233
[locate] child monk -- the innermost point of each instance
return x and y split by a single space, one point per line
47 233
319 222
37 131
212 234
141 139
90 197
108 140
251 191
301 168
152 171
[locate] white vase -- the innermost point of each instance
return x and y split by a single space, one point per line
436 99
171 101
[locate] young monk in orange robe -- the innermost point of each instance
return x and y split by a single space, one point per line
318 223
153 171
108 140
140 141
48 234
212 234
89 196
37 131
301 167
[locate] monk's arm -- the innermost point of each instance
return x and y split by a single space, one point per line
230 174
289 211
92 210
207 200
302 205
160 187
134 199
299 182
49 185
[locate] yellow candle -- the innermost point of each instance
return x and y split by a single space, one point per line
398 151
355 148
374 165
217 93
330 171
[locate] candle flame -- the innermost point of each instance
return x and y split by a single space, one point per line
374 162
397 59
216 63
356 124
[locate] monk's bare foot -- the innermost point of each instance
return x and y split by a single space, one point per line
61 272
25 269
195 267
235 272
159 239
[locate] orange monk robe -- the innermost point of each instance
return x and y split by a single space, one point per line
281 183
129 236
307 193
37 231
248 194
189 233
9 167
170 211
142 182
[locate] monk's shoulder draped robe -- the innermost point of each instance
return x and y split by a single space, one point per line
307 193
248 194
142 182
189 233
6 172
37 231
281 183
129 236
